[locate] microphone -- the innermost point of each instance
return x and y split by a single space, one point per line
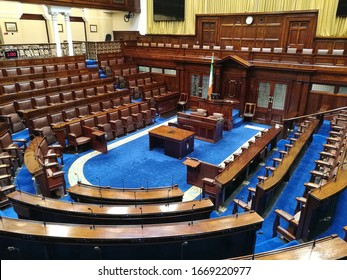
98 252
100 193
78 179
168 197
19 189
185 243
15 250
93 218
42 214
191 222
135 199
141 218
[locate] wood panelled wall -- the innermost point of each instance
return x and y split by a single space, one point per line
121 5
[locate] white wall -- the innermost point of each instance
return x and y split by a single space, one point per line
32 31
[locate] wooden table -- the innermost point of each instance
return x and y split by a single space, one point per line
177 142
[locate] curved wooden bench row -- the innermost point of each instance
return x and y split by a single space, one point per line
91 194
217 238
34 207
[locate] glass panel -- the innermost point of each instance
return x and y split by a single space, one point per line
205 84
157 70
263 95
326 88
279 96
143 69
170 72
194 85
342 89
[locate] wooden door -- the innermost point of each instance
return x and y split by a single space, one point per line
208 33
271 102
298 31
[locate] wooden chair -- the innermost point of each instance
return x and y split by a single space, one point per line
116 123
76 136
15 148
103 125
41 127
249 111
182 102
9 113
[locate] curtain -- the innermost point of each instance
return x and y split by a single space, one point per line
328 24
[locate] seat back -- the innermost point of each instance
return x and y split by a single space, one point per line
79 94
89 122
5 140
291 50
75 128
56 118
51 83
244 49
39 84
69 114
40 101
8 89
249 109
54 99
337 52
82 111
66 96
307 51
24 86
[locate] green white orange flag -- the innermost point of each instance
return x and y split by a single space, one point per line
210 82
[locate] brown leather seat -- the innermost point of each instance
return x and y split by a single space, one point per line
116 123
9 113
103 124
41 127
77 136
137 117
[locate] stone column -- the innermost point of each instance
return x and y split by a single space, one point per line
68 32
56 33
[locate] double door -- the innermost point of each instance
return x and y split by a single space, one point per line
271 101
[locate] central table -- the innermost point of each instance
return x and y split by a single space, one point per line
177 142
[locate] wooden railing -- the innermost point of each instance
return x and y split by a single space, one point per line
91 49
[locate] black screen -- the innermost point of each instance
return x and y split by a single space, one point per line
168 10
342 8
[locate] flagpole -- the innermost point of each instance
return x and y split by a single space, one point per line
210 82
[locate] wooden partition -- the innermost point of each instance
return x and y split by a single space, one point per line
327 248
217 238
33 207
92 194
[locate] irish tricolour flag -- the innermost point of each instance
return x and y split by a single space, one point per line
210 82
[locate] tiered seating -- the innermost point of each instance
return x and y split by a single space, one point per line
260 197
315 208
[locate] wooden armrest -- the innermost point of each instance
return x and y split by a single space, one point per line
10 148
72 135
327 154
5 176
242 204
57 174
323 163
251 189
20 140
330 146
51 156
301 200
5 116
284 215
51 164
311 185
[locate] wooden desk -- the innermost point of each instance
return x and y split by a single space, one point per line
217 238
91 194
219 183
177 142
33 207
267 189
320 205
206 128
99 142
166 102
328 248
224 107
